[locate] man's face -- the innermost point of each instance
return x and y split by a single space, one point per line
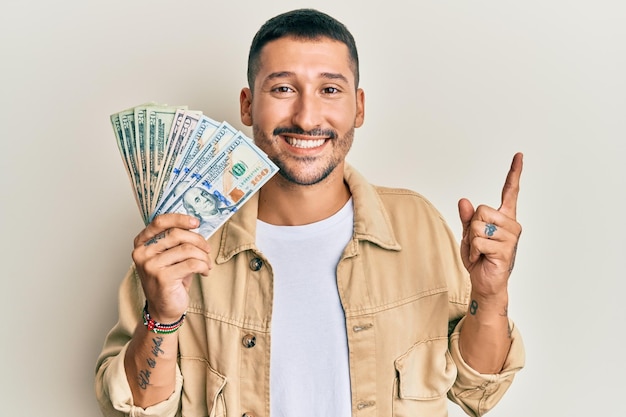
304 107
201 202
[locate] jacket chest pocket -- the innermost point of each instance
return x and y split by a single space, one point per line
424 374
203 389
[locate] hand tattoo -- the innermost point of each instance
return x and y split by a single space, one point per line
156 238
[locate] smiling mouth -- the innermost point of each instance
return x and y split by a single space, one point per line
304 144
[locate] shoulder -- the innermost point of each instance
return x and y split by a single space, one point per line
402 200
392 198
401 208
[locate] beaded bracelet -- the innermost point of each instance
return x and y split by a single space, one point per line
156 327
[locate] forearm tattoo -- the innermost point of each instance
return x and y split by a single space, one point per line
473 307
143 379
505 313
508 323
156 238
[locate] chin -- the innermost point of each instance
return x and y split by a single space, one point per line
305 176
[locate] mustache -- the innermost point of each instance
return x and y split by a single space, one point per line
298 131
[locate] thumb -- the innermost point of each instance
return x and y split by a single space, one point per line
466 212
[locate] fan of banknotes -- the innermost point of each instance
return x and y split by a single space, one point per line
181 161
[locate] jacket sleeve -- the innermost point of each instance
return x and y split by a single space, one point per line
478 393
111 385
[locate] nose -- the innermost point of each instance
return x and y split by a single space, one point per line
307 111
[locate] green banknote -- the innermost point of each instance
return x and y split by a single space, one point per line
181 161
212 195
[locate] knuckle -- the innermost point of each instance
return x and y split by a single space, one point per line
482 209
159 221
188 249
194 264
147 265
203 243
198 266
173 234
137 255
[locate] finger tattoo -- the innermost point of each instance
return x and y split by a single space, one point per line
156 238
490 229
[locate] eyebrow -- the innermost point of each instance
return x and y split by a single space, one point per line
326 75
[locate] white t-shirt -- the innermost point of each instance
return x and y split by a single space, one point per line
309 369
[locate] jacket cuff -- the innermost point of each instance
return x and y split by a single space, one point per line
478 393
121 396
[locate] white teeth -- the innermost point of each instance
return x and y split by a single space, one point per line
306 144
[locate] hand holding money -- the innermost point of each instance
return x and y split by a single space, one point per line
181 161
166 256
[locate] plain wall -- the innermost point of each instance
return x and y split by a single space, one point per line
453 89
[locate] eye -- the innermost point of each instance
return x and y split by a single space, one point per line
281 89
330 90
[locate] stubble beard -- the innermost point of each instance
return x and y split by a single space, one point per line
298 170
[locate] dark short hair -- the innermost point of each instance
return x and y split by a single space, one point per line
305 24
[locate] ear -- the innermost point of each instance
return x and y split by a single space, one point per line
245 106
360 108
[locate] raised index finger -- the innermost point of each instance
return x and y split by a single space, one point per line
510 190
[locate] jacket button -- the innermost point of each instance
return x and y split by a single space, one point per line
256 264
249 341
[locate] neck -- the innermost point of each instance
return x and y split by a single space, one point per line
283 203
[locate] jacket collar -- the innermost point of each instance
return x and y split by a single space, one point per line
371 221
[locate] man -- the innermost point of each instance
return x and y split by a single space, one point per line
323 295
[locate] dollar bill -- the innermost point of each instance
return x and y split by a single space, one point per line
117 129
205 128
208 148
179 160
140 114
229 180
184 123
160 122
127 123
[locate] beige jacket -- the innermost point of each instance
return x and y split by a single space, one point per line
401 283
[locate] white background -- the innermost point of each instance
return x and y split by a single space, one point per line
453 89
